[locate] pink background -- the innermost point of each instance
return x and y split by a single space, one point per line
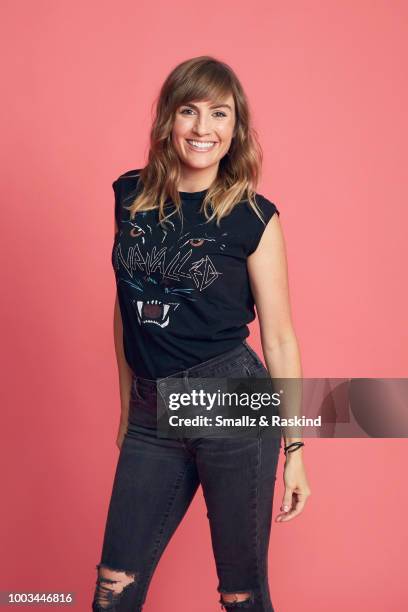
327 86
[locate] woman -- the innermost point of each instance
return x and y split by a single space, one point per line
195 247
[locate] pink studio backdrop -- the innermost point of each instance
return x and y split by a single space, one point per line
327 87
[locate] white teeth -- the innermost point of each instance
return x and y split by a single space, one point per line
165 310
201 145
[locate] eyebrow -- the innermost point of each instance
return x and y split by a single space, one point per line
212 106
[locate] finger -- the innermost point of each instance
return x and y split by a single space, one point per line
286 506
287 500
292 513
292 507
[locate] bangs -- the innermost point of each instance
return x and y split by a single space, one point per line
211 82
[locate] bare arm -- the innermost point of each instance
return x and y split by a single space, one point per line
267 269
124 371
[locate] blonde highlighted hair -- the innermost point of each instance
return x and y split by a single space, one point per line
200 78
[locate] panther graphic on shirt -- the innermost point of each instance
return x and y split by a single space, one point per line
164 265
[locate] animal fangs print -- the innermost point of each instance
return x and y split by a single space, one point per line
164 264
153 311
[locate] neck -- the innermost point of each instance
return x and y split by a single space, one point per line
197 179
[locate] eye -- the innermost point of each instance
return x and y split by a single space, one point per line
186 111
196 242
137 231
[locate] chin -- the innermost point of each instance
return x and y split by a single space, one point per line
199 161
197 164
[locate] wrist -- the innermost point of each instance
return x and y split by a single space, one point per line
296 455
293 448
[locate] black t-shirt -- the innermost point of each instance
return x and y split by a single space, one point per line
183 287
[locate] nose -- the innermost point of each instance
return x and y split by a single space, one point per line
201 126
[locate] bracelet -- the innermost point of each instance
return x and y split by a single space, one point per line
295 444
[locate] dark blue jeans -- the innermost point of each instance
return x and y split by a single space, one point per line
155 482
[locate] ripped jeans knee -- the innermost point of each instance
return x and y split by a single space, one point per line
236 600
111 587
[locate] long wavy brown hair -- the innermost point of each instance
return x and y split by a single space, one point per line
200 78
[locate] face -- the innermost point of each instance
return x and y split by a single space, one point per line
202 132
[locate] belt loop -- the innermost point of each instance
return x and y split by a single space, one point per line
186 382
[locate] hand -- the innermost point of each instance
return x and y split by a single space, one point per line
123 425
297 488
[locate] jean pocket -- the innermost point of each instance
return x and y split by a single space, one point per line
255 368
139 393
253 354
134 392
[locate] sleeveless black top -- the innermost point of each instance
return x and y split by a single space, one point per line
183 288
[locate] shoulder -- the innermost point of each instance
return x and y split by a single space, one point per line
130 174
125 189
256 222
266 206
129 177
125 185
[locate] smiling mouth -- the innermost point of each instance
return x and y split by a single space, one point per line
201 145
